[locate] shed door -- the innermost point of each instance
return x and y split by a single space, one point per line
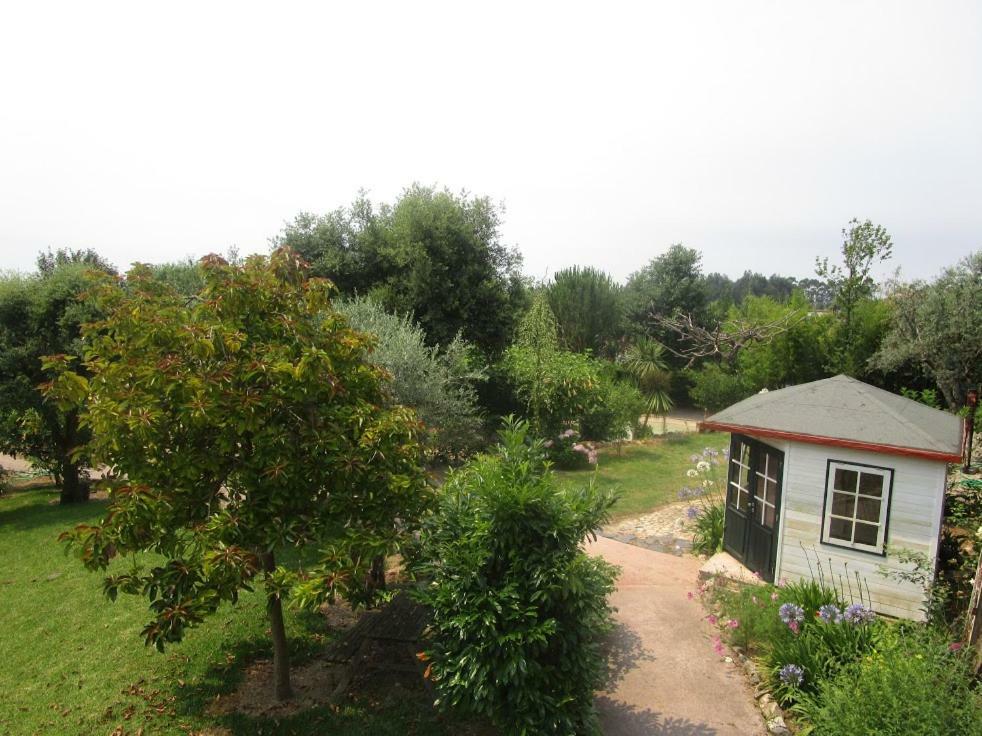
753 504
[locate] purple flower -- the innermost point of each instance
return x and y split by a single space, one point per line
791 674
692 512
830 613
791 612
857 614
694 458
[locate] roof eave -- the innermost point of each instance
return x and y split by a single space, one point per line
938 455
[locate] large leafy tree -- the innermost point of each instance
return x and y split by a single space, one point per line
851 285
433 254
670 283
243 422
40 315
588 307
938 328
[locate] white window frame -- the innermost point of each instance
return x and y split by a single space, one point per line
882 524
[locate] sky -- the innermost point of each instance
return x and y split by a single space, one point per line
752 131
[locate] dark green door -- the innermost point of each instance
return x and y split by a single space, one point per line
753 504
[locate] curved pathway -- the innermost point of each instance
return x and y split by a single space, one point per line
665 678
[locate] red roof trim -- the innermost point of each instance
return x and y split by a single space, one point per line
815 439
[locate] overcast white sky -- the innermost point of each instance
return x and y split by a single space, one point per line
752 131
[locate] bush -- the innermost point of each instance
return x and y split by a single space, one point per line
518 609
915 686
438 382
714 388
616 408
566 452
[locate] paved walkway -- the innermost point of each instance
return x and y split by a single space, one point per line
666 679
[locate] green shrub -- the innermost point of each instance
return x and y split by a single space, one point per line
615 409
754 609
518 609
914 686
714 388
707 538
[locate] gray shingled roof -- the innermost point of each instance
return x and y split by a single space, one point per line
847 409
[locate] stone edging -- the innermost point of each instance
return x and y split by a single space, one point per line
769 709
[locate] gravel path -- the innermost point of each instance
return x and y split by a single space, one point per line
663 530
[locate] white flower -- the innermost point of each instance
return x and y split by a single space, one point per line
702 465
691 473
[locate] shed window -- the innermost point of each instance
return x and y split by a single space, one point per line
856 501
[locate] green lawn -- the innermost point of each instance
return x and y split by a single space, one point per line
649 474
71 662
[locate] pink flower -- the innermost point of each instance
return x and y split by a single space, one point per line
794 626
733 623
689 595
718 646
757 575
955 646
774 596
782 582
712 619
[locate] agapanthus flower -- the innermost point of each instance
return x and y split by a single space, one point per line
857 613
830 613
693 458
792 674
692 473
702 465
791 612
692 512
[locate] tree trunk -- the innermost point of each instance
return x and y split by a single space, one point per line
281 653
74 488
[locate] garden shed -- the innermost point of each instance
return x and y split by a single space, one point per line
836 478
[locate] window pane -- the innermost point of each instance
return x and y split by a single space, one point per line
871 484
769 516
844 504
845 480
772 492
744 502
868 509
866 533
840 529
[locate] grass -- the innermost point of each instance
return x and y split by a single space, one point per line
649 474
75 663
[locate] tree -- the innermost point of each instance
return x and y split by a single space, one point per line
433 254
850 284
49 261
40 315
437 382
242 423
938 327
519 610
588 308
645 362
669 284
534 351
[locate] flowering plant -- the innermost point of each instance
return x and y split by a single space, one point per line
706 492
566 451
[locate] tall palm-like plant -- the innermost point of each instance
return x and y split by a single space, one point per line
645 362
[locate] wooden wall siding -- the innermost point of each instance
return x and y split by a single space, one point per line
913 523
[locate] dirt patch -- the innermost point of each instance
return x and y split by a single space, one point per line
340 616
312 682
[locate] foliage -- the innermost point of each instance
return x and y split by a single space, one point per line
614 411
243 422
42 315
915 685
926 396
538 334
519 610
50 261
851 285
707 493
938 327
557 388
714 388
432 254
566 452
437 382
588 307
645 362
669 284
721 288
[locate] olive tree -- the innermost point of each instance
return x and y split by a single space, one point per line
241 422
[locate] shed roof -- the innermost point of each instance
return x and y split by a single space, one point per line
845 412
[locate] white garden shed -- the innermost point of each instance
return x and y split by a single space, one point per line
838 474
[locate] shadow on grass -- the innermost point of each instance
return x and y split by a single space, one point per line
36 508
621 719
